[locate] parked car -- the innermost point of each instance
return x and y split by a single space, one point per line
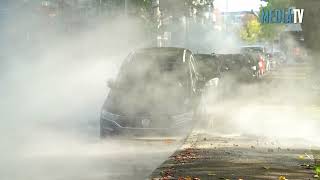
242 66
276 59
209 68
279 57
157 91
238 69
258 53
272 61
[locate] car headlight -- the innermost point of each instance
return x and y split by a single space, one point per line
109 116
254 68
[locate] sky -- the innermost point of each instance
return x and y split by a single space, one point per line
238 5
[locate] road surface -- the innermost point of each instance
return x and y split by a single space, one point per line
268 131
62 157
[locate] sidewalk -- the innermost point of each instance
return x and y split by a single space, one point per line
209 157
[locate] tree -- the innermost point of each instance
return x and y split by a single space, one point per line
251 29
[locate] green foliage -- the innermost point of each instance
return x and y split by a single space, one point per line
317 169
251 31
279 3
270 31
142 4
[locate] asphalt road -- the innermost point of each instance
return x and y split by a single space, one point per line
209 156
266 130
65 158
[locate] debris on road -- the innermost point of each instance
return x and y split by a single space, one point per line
185 156
166 174
215 159
266 167
282 178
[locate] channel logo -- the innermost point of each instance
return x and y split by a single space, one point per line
284 16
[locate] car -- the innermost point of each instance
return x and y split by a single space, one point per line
209 68
237 69
272 61
258 53
276 59
279 57
157 92
242 67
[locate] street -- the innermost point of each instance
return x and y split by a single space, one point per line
59 157
259 138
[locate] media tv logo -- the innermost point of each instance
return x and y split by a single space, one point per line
285 16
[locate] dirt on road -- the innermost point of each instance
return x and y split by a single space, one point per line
208 157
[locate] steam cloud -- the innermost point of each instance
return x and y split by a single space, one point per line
54 83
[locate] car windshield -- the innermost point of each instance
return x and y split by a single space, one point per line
147 68
232 61
154 79
208 65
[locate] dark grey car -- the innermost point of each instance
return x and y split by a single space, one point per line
157 91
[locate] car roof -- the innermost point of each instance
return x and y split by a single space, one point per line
204 55
159 49
165 51
253 46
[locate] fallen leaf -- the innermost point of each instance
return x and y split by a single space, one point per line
282 178
301 156
168 141
266 167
